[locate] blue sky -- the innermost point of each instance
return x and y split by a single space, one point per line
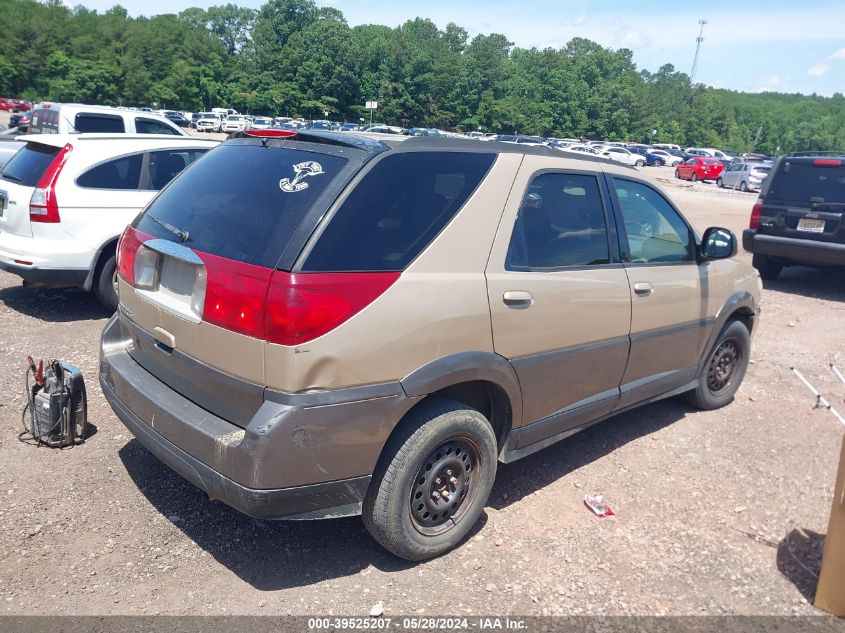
755 45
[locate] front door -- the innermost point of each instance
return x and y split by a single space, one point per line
559 299
669 290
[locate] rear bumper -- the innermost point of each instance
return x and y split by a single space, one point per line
57 278
795 250
301 456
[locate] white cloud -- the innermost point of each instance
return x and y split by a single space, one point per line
632 38
818 70
769 84
840 54
582 17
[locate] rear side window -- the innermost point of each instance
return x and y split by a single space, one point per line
803 181
242 202
121 173
165 165
561 223
104 123
29 164
150 126
396 210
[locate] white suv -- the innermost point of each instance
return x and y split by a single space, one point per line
235 123
65 199
209 122
76 118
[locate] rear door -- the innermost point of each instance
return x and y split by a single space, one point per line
804 198
18 180
559 300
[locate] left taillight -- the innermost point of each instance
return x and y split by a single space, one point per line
43 205
127 250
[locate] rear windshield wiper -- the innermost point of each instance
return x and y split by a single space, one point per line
183 236
3 174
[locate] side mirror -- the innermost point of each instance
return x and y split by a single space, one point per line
717 243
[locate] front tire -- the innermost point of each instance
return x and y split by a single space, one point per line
694 177
104 283
677 174
432 481
725 368
639 163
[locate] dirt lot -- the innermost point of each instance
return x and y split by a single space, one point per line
703 500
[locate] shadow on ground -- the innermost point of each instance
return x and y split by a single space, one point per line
816 283
799 559
53 305
273 555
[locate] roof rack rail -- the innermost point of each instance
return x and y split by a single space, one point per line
818 153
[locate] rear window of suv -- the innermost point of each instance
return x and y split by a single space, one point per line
242 202
803 181
28 165
396 210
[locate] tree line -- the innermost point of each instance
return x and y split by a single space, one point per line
293 58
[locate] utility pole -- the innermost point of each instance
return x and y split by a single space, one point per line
698 42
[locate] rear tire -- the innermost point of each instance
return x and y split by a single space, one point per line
104 279
443 447
719 183
766 267
743 187
725 368
694 177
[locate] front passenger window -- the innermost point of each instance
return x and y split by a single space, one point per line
656 233
561 223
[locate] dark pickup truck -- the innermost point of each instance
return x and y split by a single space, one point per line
798 218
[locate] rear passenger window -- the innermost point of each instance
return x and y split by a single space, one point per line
561 223
166 165
121 173
396 210
105 123
150 126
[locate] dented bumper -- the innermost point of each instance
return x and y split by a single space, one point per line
301 456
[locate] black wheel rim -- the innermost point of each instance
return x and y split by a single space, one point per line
445 486
723 365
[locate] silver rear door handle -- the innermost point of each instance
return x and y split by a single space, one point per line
643 288
518 299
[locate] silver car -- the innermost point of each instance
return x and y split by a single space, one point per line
744 176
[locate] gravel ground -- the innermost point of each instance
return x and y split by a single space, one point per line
703 500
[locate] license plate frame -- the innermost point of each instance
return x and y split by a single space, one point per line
811 225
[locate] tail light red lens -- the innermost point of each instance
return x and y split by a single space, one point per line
756 211
272 305
43 205
235 294
127 248
304 306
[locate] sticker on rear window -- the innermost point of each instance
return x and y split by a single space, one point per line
302 171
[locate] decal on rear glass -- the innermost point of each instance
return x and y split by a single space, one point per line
302 171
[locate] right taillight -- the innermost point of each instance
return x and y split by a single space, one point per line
304 306
756 211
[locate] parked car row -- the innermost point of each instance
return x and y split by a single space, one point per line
15 105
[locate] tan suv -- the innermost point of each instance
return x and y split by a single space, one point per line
322 325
